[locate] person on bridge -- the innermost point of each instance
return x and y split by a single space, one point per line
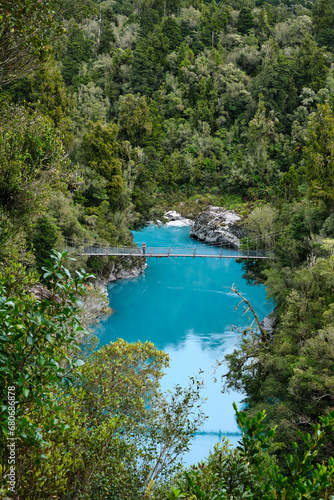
144 247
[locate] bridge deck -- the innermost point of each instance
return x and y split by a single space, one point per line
210 252
159 256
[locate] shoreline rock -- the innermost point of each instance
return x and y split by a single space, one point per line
269 323
97 305
216 225
126 267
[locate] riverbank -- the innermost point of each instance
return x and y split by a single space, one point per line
95 306
214 226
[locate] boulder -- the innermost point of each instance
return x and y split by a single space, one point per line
126 267
218 226
269 322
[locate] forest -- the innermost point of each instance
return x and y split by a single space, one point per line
113 112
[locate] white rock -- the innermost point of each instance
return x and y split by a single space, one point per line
180 223
176 219
173 215
218 226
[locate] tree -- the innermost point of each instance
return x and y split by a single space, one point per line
44 237
50 95
134 119
101 152
311 70
171 29
319 154
275 372
326 39
78 50
105 34
288 187
260 169
245 21
38 344
214 19
148 63
32 158
322 15
275 81
113 432
24 28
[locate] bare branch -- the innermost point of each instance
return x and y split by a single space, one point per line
264 333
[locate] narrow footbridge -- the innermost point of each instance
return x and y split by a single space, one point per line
207 251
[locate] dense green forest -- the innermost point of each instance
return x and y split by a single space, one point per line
112 112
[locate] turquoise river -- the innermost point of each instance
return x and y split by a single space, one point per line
185 307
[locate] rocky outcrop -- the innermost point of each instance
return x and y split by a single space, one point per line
125 267
269 322
176 219
96 306
218 226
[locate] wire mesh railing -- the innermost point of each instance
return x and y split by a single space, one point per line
213 251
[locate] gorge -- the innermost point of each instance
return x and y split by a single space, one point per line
185 307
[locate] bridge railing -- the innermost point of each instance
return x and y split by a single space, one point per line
188 251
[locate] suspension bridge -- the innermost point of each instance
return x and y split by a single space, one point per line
207 251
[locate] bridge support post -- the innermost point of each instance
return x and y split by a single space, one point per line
168 252
151 250
221 252
194 254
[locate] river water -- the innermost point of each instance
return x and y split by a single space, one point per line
185 307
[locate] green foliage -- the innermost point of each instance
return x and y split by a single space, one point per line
134 119
261 227
247 472
232 107
100 149
38 341
148 63
171 29
289 375
322 15
325 39
44 238
311 70
79 49
32 161
288 188
318 153
23 36
328 226
276 82
245 21
31 157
